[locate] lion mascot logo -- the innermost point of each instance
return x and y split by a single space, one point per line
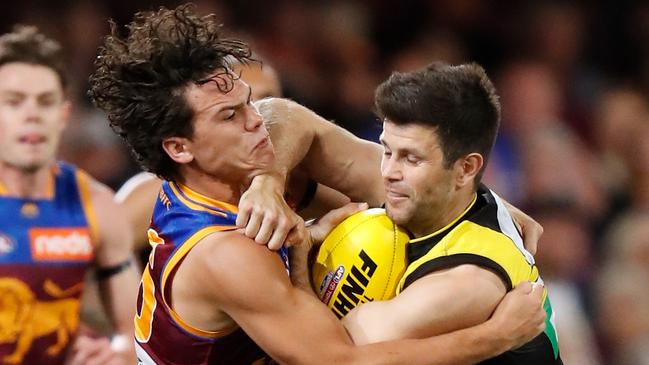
23 318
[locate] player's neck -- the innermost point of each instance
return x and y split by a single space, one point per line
27 184
453 210
458 207
210 187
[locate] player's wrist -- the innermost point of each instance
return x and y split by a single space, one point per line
274 180
495 340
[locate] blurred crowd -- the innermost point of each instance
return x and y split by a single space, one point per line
573 149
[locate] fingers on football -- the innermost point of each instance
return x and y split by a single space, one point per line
336 216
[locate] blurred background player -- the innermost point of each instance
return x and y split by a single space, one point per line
57 222
210 294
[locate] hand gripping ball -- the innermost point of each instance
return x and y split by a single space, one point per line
361 260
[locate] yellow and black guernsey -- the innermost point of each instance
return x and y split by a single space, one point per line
485 235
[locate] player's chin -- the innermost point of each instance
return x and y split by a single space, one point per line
31 164
263 156
398 214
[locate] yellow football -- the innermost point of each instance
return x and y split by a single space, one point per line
362 259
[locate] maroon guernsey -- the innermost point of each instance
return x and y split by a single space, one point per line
181 218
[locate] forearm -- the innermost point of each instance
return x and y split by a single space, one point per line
325 200
300 268
118 295
347 164
462 347
331 155
291 138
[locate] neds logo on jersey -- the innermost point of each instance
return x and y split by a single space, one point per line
52 244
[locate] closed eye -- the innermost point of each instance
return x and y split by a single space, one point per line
412 159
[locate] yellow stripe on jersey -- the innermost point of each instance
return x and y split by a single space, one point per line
191 194
172 262
83 183
475 197
191 205
51 183
475 244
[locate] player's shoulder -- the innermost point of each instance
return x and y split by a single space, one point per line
88 186
136 185
100 193
231 243
222 252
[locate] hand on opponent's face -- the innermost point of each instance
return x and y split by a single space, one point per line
265 217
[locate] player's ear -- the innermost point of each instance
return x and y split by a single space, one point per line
177 149
467 167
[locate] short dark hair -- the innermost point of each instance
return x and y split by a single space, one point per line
460 101
25 44
140 80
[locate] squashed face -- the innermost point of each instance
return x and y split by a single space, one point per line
229 141
33 113
417 186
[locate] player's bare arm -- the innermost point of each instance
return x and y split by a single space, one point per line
116 272
270 310
331 155
440 302
137 196
530 229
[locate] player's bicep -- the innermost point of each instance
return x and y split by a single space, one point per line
290 325
354 173
438 303
376 321
115 239
115 269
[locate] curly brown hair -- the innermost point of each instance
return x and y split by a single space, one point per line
140 79
25 44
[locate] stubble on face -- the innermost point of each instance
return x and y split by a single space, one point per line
424 210
418 187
